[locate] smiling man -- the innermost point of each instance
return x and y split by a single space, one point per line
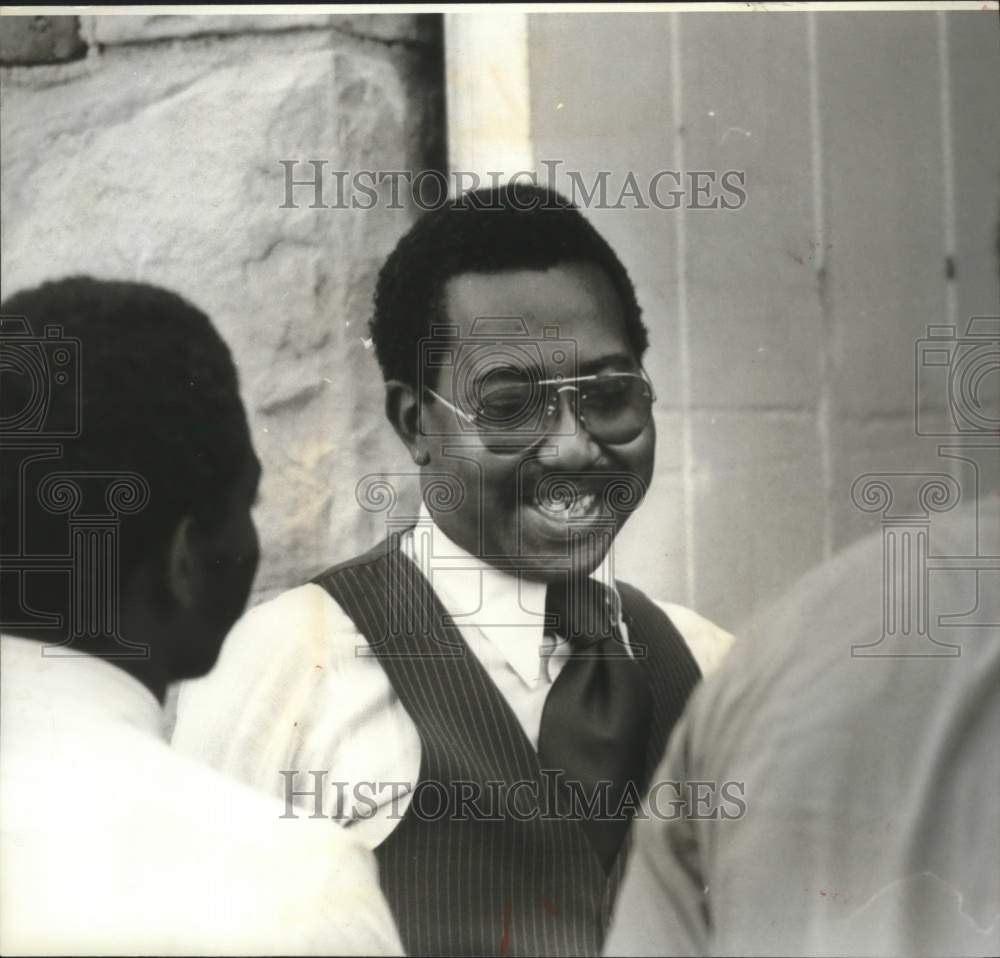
477 697
543 369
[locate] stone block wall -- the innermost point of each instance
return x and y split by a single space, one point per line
148 147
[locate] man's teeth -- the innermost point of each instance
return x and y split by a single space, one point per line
568 507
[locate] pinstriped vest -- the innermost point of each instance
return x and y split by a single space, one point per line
482 879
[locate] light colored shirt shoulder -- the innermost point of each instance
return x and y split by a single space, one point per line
113 843
297 692
708 643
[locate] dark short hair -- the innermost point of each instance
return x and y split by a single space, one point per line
153 389
517 226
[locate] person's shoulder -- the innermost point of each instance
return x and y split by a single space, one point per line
304 620
243 848
307 604
275 655
229 819
376 555
321 885
708 642
183 861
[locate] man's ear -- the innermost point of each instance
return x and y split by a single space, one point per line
183 565
402 408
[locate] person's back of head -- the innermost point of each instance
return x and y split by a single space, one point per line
126 479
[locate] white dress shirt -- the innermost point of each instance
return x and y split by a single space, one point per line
113 843
292 693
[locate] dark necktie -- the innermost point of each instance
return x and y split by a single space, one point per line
596 720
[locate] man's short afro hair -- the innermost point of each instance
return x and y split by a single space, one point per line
516 226
157 393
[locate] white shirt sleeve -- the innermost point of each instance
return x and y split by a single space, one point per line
298 703
288 886
708 642
313 889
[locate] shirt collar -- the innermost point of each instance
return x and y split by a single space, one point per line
507 608
39 678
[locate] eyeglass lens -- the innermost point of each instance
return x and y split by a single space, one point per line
613 408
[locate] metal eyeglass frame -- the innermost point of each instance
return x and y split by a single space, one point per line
562 385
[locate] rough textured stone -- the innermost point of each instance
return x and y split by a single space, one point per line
31 40
135 28
160 163
387 27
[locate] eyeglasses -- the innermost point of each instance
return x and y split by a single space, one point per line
613 407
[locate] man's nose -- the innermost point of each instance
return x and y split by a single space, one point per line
568 433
